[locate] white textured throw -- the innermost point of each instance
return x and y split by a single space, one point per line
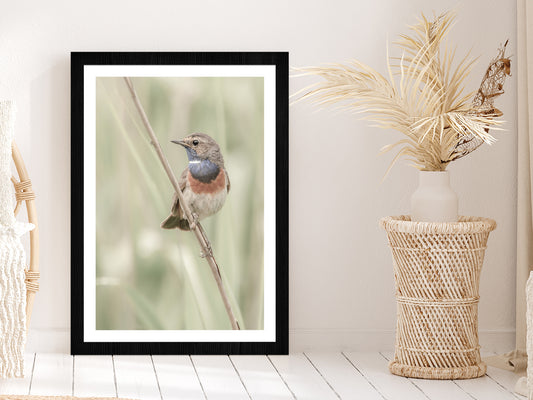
529 296
12 259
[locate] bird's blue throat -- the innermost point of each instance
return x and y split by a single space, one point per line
202 169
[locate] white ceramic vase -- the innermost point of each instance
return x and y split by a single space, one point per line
434 200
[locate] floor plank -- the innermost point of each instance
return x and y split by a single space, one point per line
436 389
484 388
305 382
506 379
261 378
177 378
345 379
19 385
218 378
441 389
52 375
94 376
375 368
136 378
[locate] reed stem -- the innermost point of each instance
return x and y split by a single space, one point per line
197 229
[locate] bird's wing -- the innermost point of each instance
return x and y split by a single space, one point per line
182 182
228 183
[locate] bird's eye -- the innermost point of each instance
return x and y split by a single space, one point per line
195 142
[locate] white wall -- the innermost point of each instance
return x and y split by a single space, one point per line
341 283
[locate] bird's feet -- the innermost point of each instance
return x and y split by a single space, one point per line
194 221
207 251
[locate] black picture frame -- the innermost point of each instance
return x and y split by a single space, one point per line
79 60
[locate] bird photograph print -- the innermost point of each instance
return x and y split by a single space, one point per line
179 203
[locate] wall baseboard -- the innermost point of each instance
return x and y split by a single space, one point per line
48 341
498 341
491 340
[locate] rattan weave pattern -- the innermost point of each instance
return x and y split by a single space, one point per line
437 267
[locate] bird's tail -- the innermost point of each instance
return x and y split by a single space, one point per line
174 221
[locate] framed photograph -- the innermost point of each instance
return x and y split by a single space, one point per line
179 203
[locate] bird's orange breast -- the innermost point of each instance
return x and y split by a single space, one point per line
215 186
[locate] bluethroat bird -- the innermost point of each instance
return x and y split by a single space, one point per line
204 183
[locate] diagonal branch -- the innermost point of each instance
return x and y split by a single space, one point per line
195 225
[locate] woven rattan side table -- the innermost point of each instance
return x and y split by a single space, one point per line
437 268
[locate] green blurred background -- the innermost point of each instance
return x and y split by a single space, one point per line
150 278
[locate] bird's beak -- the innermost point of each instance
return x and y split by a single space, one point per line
181 143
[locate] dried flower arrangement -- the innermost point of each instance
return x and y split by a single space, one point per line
426 102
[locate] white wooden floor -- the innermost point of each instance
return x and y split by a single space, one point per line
320 376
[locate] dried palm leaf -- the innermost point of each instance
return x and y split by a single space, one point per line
491 87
